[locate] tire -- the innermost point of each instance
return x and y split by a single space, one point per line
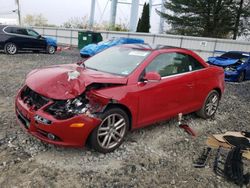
51 49
10 48
107 136
241 77
210 105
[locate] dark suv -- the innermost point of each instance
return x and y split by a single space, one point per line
14 38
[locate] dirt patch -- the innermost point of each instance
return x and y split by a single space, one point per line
158 156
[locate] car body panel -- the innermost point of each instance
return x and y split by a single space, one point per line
239 65
67 81
74 139
93 49
145 102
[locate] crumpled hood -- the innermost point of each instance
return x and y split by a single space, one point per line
67 81
219 61
50 41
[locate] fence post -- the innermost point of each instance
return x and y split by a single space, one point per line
181 42
56 33
71 35
153 39
215 46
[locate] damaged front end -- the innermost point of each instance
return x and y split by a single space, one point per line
87 104
61 122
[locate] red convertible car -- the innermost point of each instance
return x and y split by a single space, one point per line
120 89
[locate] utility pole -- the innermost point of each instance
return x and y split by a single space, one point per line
161 25
18 12
113 13
150 2
134 15
92 15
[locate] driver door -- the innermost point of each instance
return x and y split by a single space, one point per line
36 42
173 94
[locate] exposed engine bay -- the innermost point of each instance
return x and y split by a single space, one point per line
87 103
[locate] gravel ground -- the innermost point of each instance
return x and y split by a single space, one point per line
158 156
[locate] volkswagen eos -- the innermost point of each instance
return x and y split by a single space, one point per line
120 89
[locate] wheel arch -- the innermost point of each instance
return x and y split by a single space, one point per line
219 91
123 107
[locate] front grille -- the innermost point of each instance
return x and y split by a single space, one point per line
33 99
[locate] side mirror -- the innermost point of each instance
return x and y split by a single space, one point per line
39 36
152 77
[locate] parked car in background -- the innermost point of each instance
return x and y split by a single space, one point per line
236 65
14 38
123 88
93 49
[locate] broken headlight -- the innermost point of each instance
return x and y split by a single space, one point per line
64 109
231 68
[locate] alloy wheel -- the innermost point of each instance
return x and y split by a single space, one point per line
11 48
212 104
51 50
111 131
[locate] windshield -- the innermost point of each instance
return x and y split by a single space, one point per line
235 55
117 60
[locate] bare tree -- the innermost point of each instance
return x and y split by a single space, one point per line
35 20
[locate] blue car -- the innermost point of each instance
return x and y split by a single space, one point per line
93 49
236 65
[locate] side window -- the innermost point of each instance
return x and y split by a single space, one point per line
173 63
21 31
195 65
8 29
32 33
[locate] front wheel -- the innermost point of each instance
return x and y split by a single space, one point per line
110 134
210 105
51 49
241 77
10 48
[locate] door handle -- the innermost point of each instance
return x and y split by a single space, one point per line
190 85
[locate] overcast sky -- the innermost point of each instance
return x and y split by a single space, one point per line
59 11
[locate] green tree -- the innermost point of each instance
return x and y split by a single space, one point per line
242 19
144 22
206 18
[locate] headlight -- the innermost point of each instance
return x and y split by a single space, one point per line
64 109
230 68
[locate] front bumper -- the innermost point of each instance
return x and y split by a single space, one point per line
231 76
65 135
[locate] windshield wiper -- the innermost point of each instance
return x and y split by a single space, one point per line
91 68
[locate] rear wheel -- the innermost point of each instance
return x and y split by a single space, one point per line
51 49
210 105
110 134
241 77
10 48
